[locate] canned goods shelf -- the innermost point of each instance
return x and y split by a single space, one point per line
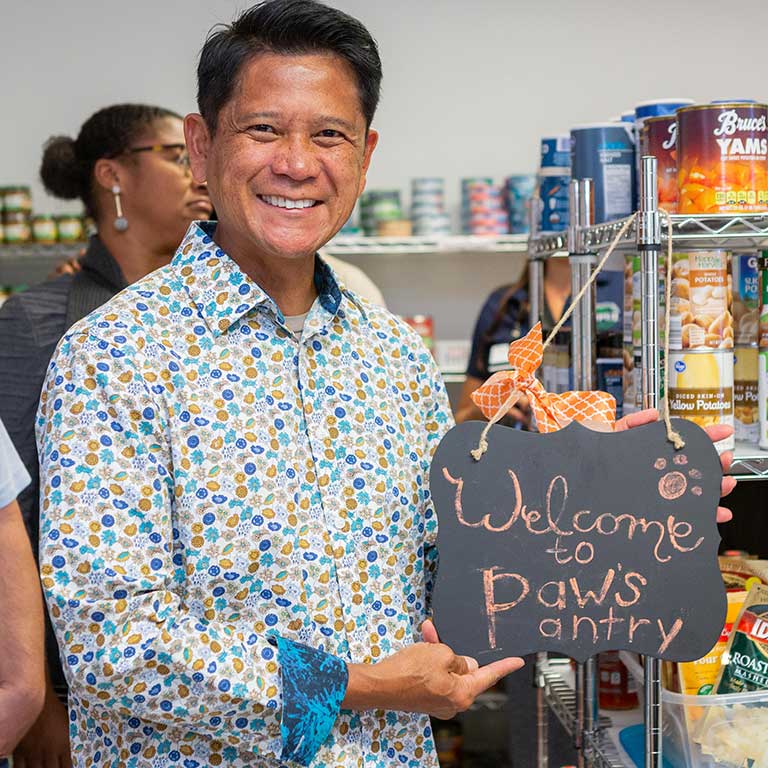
749 462
748 231
385 246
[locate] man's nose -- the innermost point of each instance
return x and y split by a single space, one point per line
296 157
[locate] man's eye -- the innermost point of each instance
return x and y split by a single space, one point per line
330 133
262 128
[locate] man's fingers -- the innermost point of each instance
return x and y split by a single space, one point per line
632 420
472 664
724 515
718 432
726 459
429 633
728 484
484 677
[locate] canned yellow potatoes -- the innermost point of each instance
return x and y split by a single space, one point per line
701 388
700 312
745 410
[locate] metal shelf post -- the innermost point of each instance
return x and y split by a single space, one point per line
649 245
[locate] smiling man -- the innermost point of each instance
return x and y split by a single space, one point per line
238 539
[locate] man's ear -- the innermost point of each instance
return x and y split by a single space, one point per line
371 140
198 139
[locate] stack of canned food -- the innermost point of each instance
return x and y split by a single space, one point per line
20 225
17 213
518 191
381 213
482 208
428 214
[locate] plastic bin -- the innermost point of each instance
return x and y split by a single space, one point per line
710 731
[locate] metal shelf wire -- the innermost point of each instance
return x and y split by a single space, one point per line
749 462
730 232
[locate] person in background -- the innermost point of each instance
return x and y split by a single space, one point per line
22 678
129 167
505 316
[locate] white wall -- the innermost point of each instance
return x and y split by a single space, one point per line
468 88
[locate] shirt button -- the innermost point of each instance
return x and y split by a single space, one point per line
341 523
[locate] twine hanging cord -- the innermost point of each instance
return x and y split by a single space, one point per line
672 435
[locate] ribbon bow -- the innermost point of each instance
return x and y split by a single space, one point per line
552 412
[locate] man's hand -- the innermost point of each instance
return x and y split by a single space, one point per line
426 677
46 743
716 433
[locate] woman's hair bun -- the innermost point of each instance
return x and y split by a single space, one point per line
60 170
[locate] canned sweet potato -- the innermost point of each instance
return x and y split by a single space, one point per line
700 312
722 156
658 137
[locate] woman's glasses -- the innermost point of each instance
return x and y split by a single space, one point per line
180 157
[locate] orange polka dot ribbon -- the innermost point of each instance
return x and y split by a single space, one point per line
552 412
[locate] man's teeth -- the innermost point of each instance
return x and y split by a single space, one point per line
284 202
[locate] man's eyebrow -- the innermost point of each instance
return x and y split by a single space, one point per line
345 124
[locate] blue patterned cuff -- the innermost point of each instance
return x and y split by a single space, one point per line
314 685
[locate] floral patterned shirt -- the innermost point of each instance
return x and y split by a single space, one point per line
230 513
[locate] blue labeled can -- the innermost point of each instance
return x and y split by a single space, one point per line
518 191
556 152
605 153
658 108
552 199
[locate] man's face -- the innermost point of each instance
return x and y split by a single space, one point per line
289 156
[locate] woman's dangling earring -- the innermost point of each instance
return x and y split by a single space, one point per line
121 223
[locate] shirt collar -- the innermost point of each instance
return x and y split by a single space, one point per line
223 293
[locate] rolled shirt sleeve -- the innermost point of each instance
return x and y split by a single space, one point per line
114 576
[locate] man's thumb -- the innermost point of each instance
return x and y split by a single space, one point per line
429 633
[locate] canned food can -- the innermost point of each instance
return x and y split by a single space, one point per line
610 379
552 193
16 227
646 110
659 138
629 383
556 152
17 199
70 227
700 315
605 153
723 158
44 229
762 397
701 388
518 192
745 394
762 330
746 294
627 319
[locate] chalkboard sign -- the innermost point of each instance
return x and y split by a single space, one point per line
578 542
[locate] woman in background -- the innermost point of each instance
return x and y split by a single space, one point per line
505 316
129 167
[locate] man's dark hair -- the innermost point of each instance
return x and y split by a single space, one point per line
290 28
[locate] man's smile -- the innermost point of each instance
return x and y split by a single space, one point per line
287 203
